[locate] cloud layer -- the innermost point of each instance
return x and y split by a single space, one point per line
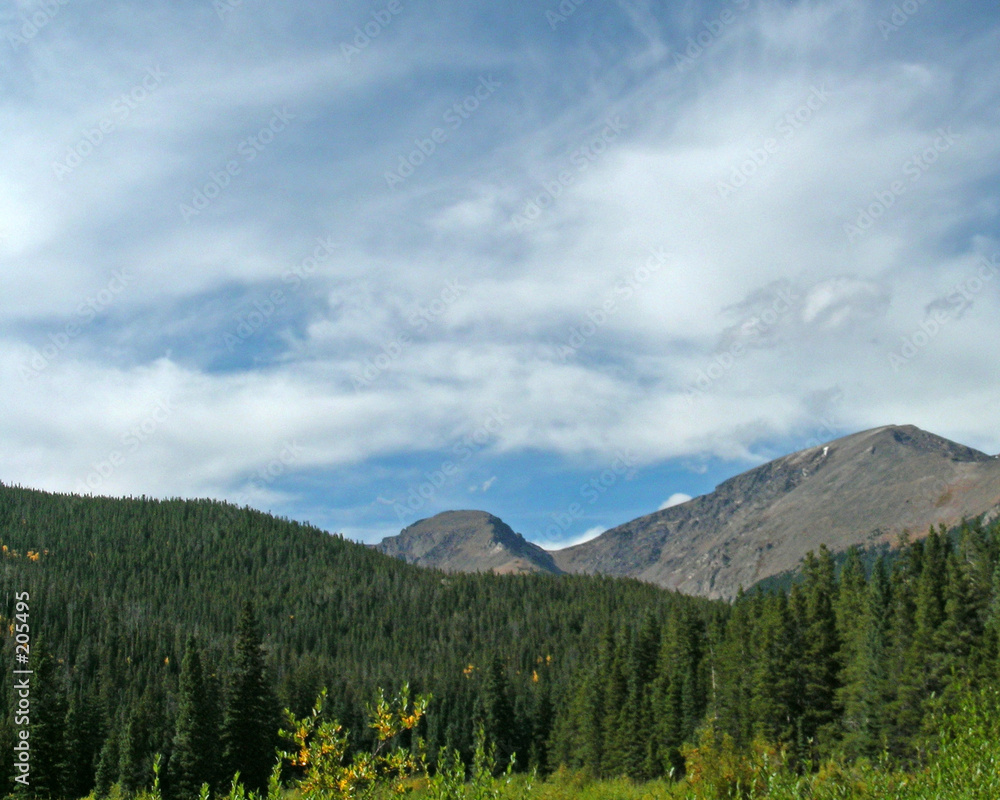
306 257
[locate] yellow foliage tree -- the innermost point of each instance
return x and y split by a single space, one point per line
320 748
717 769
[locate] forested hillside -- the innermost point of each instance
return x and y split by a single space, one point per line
613 676
118 586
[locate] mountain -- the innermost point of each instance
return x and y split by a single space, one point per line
121 590
863 489
467 541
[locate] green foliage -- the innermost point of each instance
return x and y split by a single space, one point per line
320 750
121 585
484 783
715 768
192 762
612 679
965 766
496 715
251 710
47 730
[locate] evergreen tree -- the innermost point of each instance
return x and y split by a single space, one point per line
108 764
991 640
819 661
920 672
615 692
83 746
541 726
251 720
213 718
642 754
875 673
963 622
497 711
634 736
776 695
134 760
7 741
678 698
192 760
734 715
48 724
852 625
584 739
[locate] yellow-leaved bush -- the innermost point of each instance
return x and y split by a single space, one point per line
320 749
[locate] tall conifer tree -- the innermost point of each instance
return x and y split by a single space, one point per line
83 746
821 647
195 742
251 718
48 724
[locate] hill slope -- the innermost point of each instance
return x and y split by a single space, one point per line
865 488
117 586
467 541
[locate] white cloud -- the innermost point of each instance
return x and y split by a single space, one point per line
586 536
675 499
529 291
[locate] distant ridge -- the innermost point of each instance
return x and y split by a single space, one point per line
861 489
467 541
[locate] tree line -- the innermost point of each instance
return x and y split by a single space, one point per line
172 632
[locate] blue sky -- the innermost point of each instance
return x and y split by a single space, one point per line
360 263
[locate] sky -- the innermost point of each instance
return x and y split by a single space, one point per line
568 263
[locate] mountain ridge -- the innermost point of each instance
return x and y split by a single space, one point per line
467 541
868 487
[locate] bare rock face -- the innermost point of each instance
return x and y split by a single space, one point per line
861 489
467 541
866 488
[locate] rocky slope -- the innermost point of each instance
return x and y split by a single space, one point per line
467 541
865 488
868 487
